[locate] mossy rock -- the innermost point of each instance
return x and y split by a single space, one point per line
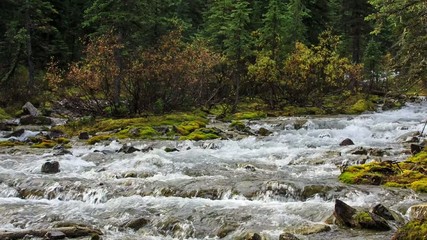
301 111
10 143
249 115
407 174
186 128
413 230
45 144
361 106
201 134
238 125
98 138
3 115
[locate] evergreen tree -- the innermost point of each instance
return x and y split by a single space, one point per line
296 29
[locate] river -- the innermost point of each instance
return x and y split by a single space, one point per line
283 182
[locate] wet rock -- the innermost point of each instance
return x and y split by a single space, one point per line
95 237
84 136
347 142
226 229
33 120
312 229
416 148
5 127
168 149
30 109
264 132
50 167
360 151
55 134
147 149
105 151
376 152
287 236
136 224
128 149
16 133
405 136
210 145
418 212
383 212
55 235
162 129
413 139
251 236
310 191
350 217
61 152
130 175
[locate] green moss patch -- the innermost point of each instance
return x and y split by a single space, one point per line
249 115
98 138
45 144
10 143
201 134
361 106
408 174
3 114
415 230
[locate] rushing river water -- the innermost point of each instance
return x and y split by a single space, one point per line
267 185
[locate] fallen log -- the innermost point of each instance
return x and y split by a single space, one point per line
70 232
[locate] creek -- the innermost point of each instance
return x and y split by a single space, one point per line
285 181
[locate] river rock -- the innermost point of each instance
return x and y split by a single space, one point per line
128 149
84 136
50 167
347 142
55 235
168 149
376 152
30 109
416 148
312 229
35 120
147 149
226 229
136 224
287 236
350 217
360 151
264 132
16 133
251 236
418 212
383 212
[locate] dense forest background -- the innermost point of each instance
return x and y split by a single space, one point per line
135 56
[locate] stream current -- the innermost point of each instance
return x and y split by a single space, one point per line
283 182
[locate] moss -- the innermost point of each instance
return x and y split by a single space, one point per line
98 138
141 132
186 128
249 115
45 144
361 106
414 230
420 185
201 134
409 174
10 144
363 217
238 125
3 114
62 140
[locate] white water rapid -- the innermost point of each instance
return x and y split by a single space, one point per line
265 185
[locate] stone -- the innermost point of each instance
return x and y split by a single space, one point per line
416 148
360 151
55 235
418 212
347 142
30 109
50 167
168 149
264 132
413 139
287 236
350 217
55 134
147 149
62 151
5 127
136 224
16 133
128 149
84 136
252 236
312 229
210 145
35 120
383 212
376 152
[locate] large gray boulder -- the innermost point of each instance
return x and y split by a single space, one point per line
50 167
30 109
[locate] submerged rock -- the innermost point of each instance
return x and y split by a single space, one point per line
128 149
136 224
264 132
168 149
287 236
383 212
311 229
50 167
16 133
347 142
418 212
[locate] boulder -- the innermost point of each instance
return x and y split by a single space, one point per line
383 212
128 149
347 142
5 127
35 120
360 151
168 149
264 132
30 109
252 236
55 235
287 236
147 149
350 217
16 133
136 224
416 148
376 152
418 212
50 167
210 145
413 230
84 136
